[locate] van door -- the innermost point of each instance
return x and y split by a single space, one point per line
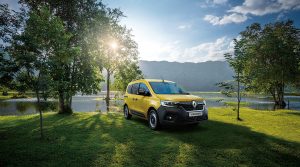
133 98
143 101
127 96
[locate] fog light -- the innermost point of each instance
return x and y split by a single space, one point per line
169 117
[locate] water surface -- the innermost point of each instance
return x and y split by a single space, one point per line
97 103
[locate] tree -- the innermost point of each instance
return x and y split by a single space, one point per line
10 23
271 58
237 62
125 74
79 70
42 52
119 51
7 70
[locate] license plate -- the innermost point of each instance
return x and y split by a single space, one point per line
194 114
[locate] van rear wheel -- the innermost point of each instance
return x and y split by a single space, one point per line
153 120
127 115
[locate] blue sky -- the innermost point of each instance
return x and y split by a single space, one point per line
195 30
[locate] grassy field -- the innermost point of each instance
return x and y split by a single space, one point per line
263 138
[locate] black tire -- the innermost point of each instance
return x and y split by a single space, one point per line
127 115
153 120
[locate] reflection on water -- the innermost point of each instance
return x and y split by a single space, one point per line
18 107
254 102
97 103
79 104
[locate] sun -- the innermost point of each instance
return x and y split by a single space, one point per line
114 45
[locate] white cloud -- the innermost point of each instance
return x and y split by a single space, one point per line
241 13
226 19
260 8
212 3
184 26
219 2
208 51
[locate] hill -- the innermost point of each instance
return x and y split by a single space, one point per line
192 76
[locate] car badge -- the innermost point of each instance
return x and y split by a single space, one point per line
194 104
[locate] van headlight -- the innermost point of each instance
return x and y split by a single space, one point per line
168 103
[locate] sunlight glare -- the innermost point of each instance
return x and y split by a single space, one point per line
113 45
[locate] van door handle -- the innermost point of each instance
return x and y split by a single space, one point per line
125 96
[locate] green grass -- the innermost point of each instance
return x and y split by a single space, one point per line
263 138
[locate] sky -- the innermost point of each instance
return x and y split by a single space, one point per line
195 30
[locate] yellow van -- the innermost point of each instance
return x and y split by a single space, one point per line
163 102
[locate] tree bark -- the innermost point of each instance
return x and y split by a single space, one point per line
61 102
64 103
37 92
279 96
107 89
37 96
239 97
41 122
281 102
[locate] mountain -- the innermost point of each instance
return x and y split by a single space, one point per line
191 76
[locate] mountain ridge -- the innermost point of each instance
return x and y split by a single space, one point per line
201 76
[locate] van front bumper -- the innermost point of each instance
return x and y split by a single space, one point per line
177 115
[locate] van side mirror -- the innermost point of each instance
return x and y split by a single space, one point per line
141 91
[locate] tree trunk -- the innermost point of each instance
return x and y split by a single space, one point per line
273 95
40 111
278 96
239 97
44 95
68 108
61 102
41 122
281 102
70 101
107 89
37 96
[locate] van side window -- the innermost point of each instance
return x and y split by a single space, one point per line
129 89
134 88
142 85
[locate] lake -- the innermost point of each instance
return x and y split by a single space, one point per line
96 103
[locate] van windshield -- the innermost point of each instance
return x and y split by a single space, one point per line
166 88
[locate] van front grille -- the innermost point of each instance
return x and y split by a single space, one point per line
188 106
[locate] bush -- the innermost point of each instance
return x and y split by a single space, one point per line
4 93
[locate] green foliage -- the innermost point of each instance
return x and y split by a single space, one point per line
125 74
63 35
122 57
237 62
61 48
270 55
10 23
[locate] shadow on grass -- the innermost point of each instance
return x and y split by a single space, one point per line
294 113
110 140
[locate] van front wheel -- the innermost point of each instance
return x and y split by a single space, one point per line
153 120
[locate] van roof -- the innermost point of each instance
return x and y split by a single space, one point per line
151 80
